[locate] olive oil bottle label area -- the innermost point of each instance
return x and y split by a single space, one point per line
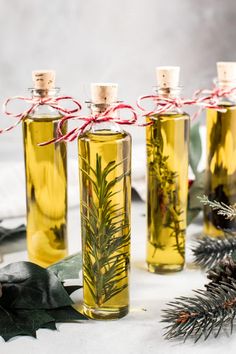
167 164
105 189
46 179
220 182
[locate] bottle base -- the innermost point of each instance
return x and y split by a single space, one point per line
104 313
164 268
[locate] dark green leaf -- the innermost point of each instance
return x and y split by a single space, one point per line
66 314
195 148
68 268
23 322
28 286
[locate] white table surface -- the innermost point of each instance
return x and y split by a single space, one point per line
141 331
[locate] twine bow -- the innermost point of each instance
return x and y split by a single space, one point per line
202 98
162 104
35 103
106 116
210 98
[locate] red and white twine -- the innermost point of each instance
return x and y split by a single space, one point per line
203 98
35 102
107 116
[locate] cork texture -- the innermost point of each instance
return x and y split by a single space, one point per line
226 71
104 93
43 79
167 76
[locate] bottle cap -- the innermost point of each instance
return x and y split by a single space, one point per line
44 79
104 93
167 76
226 71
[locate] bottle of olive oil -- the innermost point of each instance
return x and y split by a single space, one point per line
220 181
167 177
46 177
105 197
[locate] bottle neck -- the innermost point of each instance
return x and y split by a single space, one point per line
39 93
45 110
109 126
169 93
226 86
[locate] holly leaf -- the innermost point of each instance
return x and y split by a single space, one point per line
195 148
68 268
25 285
66 314
23 322
32 297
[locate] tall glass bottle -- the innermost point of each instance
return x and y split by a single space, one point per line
167 176
46 178
220 181
105 197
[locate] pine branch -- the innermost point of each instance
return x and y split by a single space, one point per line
228 211
206 313
208 251
210 311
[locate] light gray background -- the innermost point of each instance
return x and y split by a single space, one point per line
110 40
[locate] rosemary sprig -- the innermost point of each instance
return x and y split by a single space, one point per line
228 211
106 231
164 180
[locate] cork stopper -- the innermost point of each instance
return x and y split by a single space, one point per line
167 76
226 71
104 93
44 79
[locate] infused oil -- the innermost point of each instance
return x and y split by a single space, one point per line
46 184
105 198
220 183
167 137
167 164
46 179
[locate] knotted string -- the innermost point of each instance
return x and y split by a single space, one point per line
35 102
162 104
107 116
202 98
210 98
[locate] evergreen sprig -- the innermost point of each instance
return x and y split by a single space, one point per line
228 211
208 251
167 209
207 313
106 231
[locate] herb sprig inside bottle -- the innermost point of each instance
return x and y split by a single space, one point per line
105 196
167 170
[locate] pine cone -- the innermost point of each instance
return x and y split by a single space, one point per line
222 272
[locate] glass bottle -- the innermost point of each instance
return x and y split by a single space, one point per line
46 178
167 177
220 175
105 198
